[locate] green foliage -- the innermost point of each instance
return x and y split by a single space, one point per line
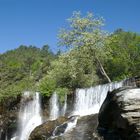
62 92
69 72
124 60
22 68
47 86
87 42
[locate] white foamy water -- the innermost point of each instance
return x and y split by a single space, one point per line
64 108
14 138
29 115
56 109
65 127
88 101
72 123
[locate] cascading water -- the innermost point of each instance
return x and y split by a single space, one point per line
88 101
65 127
72 123
6 137
14 138
64 108
29 115
56 109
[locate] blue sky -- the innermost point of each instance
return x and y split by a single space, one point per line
37 22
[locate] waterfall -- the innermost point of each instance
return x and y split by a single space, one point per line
6 137
72 123
29 115
88 101
56 108
64 108
65 127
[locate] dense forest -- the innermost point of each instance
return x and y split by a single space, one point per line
88 56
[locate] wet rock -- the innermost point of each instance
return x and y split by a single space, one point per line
8 124
8 117
134 81
137 79
45 130
84 130
60 129
119 116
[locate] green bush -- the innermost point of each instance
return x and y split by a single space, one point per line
47 86
62 92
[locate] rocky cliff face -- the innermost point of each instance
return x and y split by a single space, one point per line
119 116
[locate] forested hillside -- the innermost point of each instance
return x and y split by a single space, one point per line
22 68
92 56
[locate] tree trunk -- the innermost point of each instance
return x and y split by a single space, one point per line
99 64
102 70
